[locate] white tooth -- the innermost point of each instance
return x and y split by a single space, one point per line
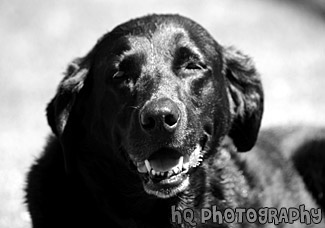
175 170
197 150
147 163
180 162
153 172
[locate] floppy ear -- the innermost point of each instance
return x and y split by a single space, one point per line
58 110
60 107
245 96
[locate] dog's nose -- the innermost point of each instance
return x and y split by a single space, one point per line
160 115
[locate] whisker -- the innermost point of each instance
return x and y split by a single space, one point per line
134 107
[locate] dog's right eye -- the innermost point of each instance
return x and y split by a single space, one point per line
128 68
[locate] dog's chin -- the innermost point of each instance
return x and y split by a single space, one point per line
168 187
167 172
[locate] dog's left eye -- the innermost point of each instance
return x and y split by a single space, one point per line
195 66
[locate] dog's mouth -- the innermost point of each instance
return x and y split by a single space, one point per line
166 172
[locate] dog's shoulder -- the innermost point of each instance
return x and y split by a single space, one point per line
46 175
271 167
304 147
49 184
49 164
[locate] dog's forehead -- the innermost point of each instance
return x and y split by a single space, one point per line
162 43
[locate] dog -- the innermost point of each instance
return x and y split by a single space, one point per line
150 130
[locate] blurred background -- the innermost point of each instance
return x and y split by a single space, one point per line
38 38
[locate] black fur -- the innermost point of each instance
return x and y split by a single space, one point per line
160 88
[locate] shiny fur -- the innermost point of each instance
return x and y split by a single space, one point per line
87 175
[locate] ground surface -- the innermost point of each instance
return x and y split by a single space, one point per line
38 38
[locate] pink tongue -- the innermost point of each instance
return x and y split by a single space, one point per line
163 165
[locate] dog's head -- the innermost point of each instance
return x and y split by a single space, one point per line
160 93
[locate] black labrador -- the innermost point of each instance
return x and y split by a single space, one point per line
148 130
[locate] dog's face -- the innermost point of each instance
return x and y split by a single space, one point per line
159 94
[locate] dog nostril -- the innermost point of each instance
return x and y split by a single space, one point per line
148 122
171 120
